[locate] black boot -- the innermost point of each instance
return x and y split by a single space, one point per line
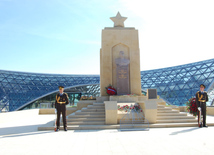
65 129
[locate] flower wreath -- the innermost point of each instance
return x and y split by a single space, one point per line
110 90
192 106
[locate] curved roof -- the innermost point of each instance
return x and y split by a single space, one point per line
174 84
178 84
19 88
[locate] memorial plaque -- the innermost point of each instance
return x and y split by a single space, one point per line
122 73
152 93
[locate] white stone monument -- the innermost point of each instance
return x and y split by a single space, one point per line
117 40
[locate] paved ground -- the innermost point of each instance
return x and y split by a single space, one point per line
19 135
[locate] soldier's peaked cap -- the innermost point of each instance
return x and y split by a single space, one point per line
202 85
60 87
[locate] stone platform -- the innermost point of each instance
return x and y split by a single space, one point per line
21 134
94 117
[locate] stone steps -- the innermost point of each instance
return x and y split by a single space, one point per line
86 116
161 106
92 110
167 111
164 109
98 104
85 119
174 117
171 114
89 113
92 117
95 107
176 120
86 123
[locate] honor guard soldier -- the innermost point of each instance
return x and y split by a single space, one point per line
201 99
60 104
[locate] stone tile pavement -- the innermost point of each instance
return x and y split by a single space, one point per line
20 136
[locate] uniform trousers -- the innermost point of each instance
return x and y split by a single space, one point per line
61 108
203 111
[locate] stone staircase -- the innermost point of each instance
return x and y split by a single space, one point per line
91 115
169 115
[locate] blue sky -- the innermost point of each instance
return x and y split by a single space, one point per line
64 36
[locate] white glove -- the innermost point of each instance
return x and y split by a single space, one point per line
199 108
55 111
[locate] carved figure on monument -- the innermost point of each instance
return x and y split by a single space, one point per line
122 74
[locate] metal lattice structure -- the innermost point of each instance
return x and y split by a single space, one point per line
19 88
176 85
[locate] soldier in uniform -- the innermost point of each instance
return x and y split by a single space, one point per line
201 99
60 104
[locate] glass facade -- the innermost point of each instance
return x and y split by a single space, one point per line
20 90
178 84
74 93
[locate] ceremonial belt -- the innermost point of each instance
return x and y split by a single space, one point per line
61 102
202 100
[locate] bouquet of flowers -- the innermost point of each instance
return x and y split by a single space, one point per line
192 106
132 107
123 108
110 90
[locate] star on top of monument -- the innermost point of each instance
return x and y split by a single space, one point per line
118 20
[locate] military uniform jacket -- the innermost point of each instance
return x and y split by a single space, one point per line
201 97
61 99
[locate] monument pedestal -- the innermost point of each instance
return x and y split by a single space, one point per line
149 107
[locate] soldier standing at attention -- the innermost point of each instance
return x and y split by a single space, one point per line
201 99
60 104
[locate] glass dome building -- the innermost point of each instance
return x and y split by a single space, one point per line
176 85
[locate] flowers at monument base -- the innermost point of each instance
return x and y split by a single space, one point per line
192 106
127 108
123 108
110 90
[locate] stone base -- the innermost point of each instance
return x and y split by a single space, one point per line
111 112
149 106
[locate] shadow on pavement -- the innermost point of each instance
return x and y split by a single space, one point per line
184 131
17 131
